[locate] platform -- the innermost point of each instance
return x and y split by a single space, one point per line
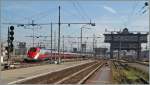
17 74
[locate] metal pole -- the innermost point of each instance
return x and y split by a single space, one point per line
55 43
71 47
111 46
1 52
8 47
119 48
63 47
139 47
59 35
81 41
33 33
1 55
78 45
33 36
51 40
93 44
85 47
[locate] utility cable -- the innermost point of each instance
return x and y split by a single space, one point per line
75 6
81 7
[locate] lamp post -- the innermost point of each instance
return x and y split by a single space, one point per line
119 53
95 43
82 34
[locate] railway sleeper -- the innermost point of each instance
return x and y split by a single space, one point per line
54 76
74 74
75 79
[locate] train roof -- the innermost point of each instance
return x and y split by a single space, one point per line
53 51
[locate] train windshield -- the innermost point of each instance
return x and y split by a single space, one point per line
32 49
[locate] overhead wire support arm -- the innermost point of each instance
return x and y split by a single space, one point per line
58 23
83 37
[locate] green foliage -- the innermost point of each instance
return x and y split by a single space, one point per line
127 75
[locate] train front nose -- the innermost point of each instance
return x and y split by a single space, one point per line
31 53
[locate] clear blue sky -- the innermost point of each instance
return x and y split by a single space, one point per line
113 15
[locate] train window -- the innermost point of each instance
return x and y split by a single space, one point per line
33 49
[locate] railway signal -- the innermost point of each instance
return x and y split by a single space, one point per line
145 6
146 3
10 38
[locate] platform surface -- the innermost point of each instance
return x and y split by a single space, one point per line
8 76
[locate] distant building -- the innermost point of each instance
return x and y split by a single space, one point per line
83 48
101 52
21 49
74 50
125 40
145 55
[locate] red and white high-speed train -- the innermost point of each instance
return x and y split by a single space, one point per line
36 53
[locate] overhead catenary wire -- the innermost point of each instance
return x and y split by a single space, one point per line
74 15
43 14
83 10
40 15
81 15
130 15
143 9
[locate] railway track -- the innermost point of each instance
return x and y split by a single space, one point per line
121 66
71 75
142 63
102 75
82 75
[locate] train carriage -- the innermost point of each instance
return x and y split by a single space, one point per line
40 54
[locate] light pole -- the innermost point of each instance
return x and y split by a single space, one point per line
51 39
63 47
119 53
82 34
93 45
